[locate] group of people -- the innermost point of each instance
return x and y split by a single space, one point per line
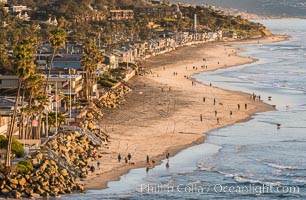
92 168
253 97
230 112
127 159
150 162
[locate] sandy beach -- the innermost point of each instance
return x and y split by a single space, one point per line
167 112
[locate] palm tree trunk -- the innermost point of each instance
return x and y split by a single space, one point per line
38 130
29 108
87 85
12 124
21 124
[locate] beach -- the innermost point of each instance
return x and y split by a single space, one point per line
166 112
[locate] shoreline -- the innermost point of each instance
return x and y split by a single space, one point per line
162 68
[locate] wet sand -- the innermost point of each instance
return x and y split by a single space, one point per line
167 113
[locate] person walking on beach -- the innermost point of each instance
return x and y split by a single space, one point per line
245 106
92 169
231 113
218 120
98 164
238 106
216 113
201 117
148 159
129 157
167 155
204 99
126 160
214 101
119 157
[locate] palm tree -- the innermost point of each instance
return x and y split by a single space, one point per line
43 102
52 119
34 83
24 62
90 60
4 59
57 40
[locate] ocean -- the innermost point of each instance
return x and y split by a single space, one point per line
254 159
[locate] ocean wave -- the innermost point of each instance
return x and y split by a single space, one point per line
238 177
294 141
243 179
279 166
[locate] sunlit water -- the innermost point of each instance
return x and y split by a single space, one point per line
262 161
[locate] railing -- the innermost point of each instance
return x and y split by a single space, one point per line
92 137
62 163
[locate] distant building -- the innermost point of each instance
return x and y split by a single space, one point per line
52 22
8 82
17 9
6 110
23 16
121 14
68 60
63 82
154 11
156 2
110 60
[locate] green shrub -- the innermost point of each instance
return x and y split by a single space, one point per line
17 147
27 164
3 142
112 80
106 83
22 169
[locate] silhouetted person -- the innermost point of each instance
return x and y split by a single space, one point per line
167 155
148 159
119 157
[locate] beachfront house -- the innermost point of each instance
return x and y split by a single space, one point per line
66 84
8 82
154 11
121 14
111 61
64 61
7 105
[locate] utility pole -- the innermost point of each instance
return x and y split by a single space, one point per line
69 95
56 104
